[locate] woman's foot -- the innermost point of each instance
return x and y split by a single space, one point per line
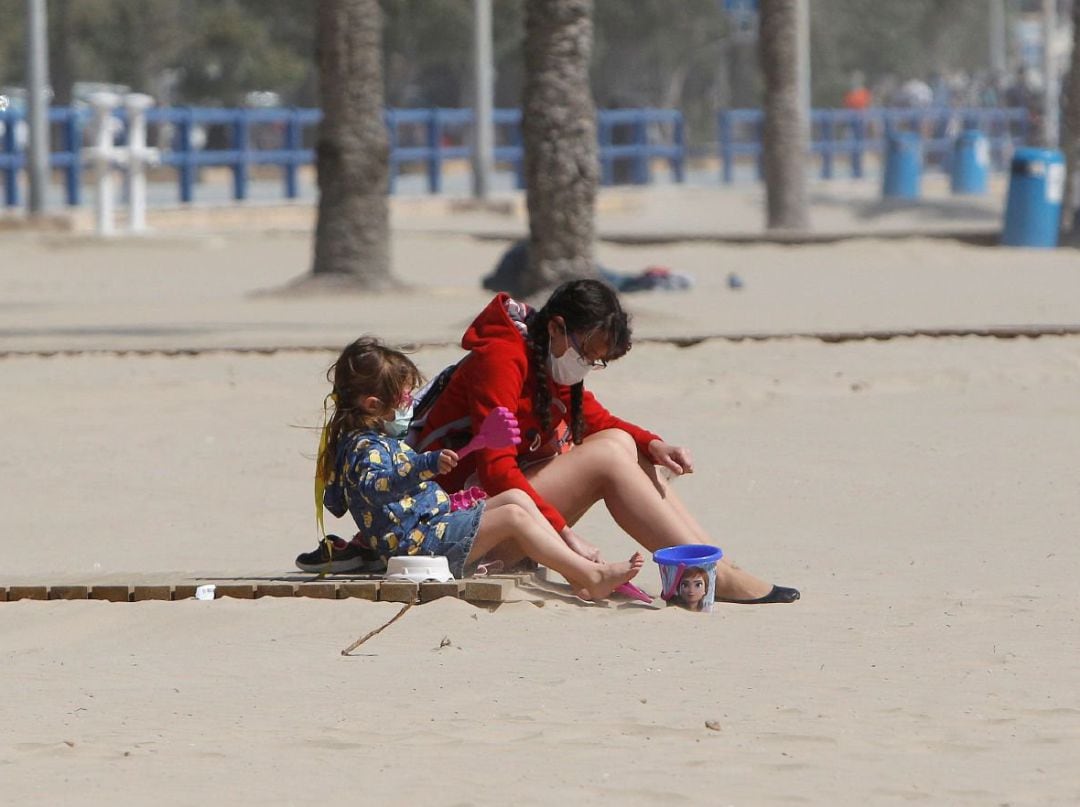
737 585
776 594
606 577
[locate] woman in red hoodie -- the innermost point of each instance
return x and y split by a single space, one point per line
573 452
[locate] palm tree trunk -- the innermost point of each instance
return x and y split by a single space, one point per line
559 135
352 149
785 131
61 42
1070 210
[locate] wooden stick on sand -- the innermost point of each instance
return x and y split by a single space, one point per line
378 630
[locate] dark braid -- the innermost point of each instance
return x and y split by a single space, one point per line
539 340
577 415
585 306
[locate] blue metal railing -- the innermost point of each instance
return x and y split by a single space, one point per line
852 134
629 140
638 150
70 123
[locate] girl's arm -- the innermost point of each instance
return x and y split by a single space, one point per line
384 472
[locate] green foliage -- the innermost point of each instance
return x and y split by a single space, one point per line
660 53
903 40
428 46
217 50
646 52
12 34
235 54
119 41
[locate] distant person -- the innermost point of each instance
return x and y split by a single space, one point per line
915 94
1020 92
940 90
859 96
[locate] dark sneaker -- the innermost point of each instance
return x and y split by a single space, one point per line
334 556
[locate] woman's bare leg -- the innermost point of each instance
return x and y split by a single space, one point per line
606 467
693 526
512 516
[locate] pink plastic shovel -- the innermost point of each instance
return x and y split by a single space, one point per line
499 429
632 591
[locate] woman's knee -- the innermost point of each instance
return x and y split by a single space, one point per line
615 454
616 444
516 515
514 496
506 520
518 498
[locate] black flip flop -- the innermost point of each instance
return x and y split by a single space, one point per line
778 594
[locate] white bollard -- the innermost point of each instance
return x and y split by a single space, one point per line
138 158
103 154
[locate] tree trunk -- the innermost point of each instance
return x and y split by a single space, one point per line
785 132
1070 144
61 42
352 234
559 134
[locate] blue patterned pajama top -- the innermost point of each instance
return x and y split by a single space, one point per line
390 491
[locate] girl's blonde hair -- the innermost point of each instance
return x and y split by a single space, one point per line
365 368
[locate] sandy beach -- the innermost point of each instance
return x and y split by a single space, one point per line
921 492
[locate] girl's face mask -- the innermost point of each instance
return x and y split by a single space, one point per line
571 367
399 425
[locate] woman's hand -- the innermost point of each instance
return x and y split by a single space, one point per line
580 545
675 458
447 461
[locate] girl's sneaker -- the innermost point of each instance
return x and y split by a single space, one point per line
334 555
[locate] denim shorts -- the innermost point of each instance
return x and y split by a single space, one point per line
457 541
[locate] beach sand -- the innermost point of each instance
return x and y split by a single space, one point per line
921 492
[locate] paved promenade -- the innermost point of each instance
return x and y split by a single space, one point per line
199 280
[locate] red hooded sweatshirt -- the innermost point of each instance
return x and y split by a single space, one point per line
499 371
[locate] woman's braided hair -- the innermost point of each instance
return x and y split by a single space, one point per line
587 307
366 367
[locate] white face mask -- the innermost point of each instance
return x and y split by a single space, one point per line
569 368
400 424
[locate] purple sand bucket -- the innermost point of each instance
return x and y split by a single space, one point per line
688 575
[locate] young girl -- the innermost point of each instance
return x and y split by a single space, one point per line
389 490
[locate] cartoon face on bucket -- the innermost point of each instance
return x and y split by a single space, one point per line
688 575
694 589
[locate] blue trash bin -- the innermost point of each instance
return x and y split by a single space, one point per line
1033 206
970 163
903 166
